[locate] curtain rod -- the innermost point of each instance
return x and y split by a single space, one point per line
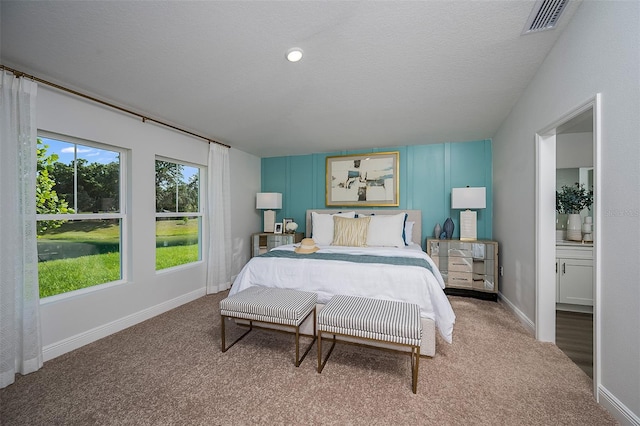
19 74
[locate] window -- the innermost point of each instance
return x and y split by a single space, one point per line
178 215
79 215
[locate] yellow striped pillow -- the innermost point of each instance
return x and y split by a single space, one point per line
350 232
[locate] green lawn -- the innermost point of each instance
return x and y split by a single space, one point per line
167 257
92 253
63 275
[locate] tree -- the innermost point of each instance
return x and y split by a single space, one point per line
47 201
191 202
168 177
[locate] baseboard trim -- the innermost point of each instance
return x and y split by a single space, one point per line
69 344
620 411
524 320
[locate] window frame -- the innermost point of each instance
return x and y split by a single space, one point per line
122 214
199 214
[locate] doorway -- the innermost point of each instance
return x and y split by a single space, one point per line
574 259
548 140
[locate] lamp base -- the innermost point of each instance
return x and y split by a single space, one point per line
269 220
468 226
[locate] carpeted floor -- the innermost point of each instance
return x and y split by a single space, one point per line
169 370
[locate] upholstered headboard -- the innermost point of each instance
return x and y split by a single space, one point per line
412 215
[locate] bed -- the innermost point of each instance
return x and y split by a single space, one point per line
391 266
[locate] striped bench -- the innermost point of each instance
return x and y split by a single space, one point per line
376 320
270 305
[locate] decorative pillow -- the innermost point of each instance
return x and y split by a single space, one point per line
322 226
350 232
386 230
408 232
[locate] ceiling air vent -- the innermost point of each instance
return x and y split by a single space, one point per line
544 16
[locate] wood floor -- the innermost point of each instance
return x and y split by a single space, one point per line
574 336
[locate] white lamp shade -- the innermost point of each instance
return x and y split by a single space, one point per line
468 198
269 200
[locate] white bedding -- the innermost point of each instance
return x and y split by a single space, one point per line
414 284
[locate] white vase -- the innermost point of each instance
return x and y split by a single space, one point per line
574 227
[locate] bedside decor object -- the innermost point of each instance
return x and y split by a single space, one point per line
277 228
285 221
363 179
572 200
448 228
269 201
437 230
467 199
290 227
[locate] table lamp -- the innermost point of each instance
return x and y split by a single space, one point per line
269 201
467 199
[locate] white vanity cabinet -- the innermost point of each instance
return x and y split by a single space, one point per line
574 276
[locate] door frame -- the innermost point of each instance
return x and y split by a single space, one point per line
545 276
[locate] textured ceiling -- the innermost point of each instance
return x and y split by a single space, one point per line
374 74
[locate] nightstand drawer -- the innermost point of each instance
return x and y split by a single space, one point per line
459 245
461 264
483 267
460 279
483 282
460 252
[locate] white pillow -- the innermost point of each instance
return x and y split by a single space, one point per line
386 230
322 227
408 232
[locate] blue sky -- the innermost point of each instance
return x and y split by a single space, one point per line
91 154
94 155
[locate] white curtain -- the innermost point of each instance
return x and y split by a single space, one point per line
219 213
20 338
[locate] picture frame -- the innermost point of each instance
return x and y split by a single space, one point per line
277 228
285 221
370 179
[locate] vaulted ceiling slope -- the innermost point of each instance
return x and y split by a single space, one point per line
374 74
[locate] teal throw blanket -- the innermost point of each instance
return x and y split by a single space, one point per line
364 258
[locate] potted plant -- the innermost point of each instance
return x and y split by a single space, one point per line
571 200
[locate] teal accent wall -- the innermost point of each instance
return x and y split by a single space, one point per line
427 174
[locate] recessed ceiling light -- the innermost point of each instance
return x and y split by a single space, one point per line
294 54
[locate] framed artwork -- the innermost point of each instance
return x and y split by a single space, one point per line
363 180
277 228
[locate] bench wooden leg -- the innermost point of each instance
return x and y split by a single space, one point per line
298 361
321 362
415 363
222 334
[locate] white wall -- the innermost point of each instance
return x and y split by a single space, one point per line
74 321
598 52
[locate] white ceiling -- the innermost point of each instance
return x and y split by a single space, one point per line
374 74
